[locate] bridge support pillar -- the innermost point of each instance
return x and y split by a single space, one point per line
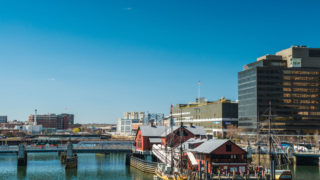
71 160
22 155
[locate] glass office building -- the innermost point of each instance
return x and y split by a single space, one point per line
290 82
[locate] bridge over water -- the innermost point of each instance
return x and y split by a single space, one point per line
83 147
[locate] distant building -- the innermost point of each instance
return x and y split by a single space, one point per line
216 117
60 121
129 124
3 119
289 82
33 129
157 118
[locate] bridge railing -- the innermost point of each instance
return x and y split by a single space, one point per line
8 148
111 147
62 148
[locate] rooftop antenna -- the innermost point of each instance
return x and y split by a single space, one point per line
199 83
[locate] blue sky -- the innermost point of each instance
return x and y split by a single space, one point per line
97 59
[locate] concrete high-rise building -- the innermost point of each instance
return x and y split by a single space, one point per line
131 115
3 119
215 116
289 81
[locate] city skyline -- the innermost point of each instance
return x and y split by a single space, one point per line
98 60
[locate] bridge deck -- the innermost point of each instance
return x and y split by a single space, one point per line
98 149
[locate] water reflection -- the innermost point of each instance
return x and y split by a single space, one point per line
305 172
71 173
47 166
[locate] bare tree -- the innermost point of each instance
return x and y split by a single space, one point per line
234 133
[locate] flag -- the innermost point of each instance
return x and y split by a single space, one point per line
199 82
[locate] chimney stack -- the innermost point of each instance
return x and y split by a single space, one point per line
152 122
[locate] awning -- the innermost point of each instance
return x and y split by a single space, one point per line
155 140
192 158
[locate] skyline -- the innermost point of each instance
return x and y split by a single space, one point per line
98 60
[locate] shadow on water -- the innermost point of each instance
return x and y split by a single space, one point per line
71 173
21 172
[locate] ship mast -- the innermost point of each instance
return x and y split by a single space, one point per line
181 141
272 165
171 139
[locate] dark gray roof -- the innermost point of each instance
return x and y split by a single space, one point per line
164 133
149 131
196 130
160 131
210 145
185 145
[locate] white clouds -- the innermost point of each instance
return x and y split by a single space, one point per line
128 9
51 79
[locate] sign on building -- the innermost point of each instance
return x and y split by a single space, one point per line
295 62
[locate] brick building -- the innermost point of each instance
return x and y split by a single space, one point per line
57 121
150 135
221 155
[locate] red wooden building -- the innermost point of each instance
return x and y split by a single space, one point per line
222 156
148 135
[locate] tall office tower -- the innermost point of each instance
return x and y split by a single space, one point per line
289 83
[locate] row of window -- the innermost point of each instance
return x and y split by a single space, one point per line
301 72
297 95
306 113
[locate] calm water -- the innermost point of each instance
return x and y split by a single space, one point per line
306 172
45 166
91 166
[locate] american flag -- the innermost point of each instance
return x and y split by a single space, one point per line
199 82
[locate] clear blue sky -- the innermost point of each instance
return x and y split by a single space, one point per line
97 59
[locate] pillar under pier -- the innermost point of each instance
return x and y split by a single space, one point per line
22 155
71 160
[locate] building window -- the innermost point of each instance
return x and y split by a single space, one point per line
228 148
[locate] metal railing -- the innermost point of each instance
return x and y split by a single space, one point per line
62 148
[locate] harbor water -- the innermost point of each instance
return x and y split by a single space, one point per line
47 166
